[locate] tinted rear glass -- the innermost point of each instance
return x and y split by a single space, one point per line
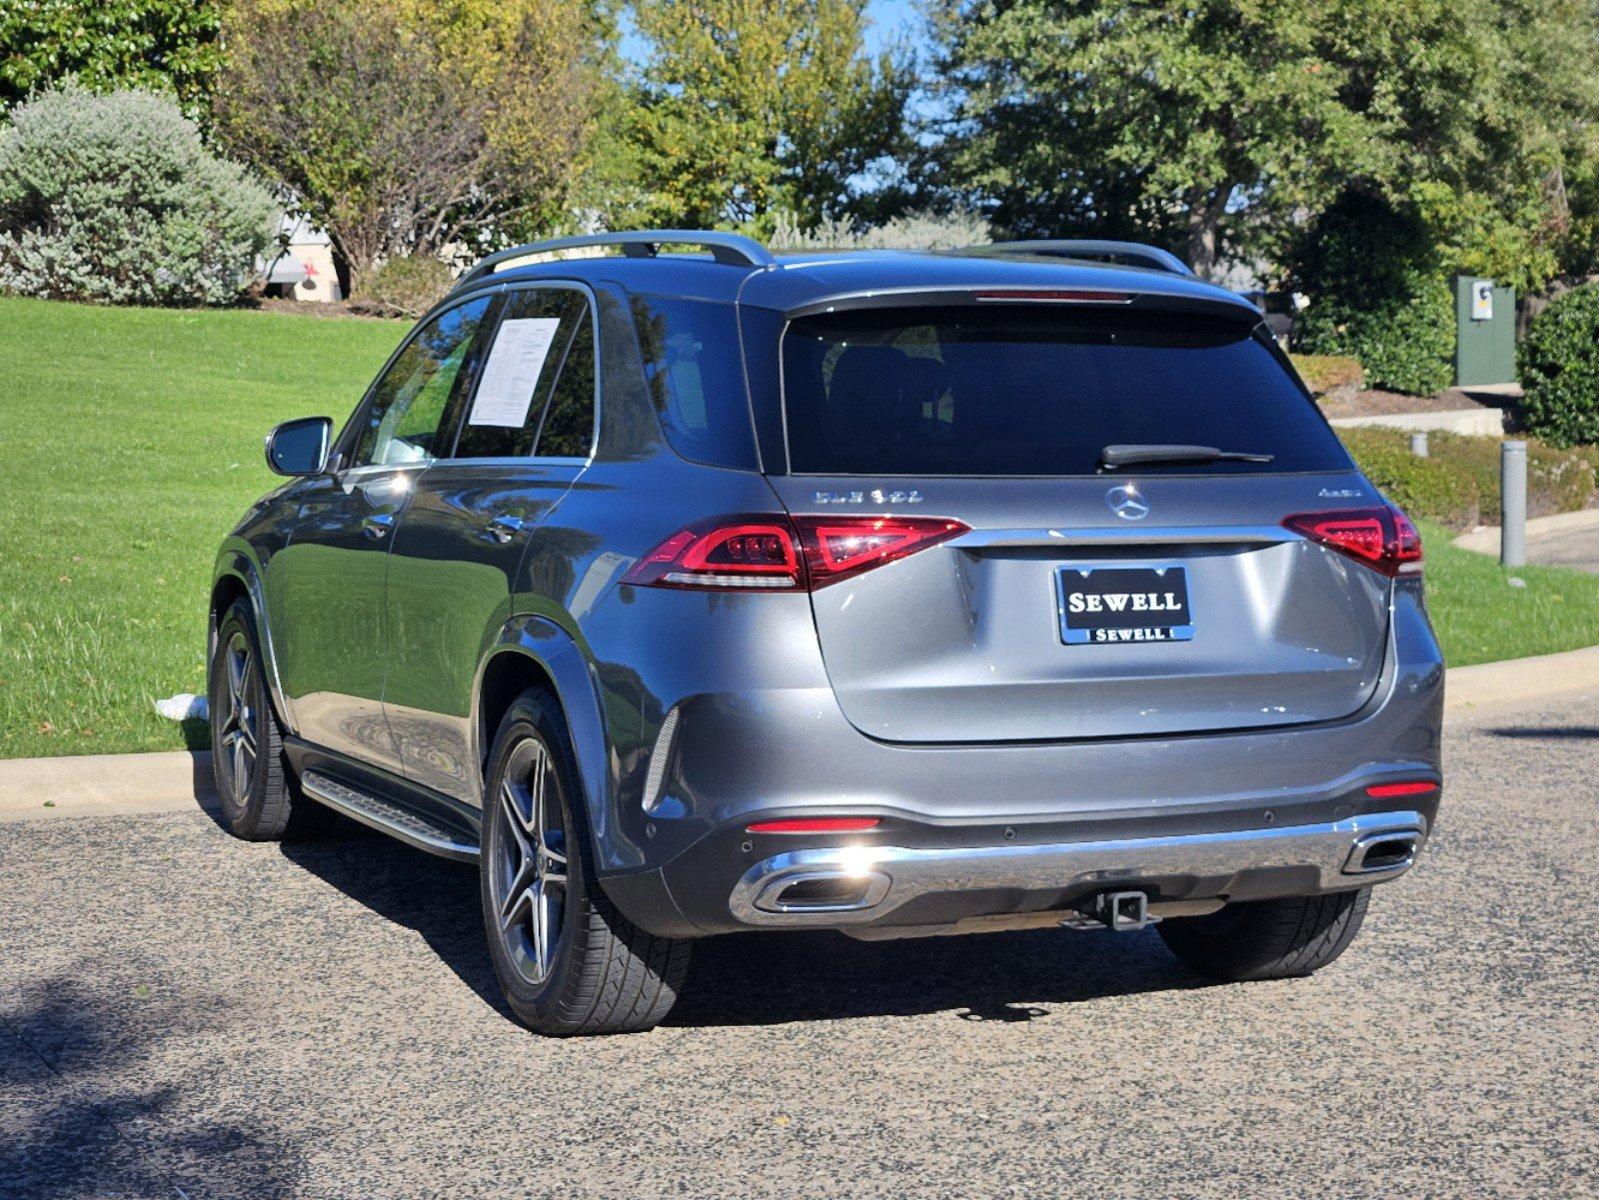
1013 390
696 375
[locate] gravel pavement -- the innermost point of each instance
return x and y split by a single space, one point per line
186 1014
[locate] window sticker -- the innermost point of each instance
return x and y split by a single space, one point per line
511 375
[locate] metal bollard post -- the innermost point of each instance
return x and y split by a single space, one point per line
1418 443
1513 504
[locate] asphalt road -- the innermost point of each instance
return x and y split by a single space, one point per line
183 1013
1577 548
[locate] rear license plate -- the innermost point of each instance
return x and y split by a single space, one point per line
1123 604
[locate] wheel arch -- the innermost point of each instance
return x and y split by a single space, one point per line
238 577
533 651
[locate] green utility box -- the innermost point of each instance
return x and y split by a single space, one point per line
1485 332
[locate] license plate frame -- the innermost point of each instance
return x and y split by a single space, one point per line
1104 626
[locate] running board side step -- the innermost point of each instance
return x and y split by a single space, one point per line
404 824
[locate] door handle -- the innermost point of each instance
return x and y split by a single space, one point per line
503 528
377 524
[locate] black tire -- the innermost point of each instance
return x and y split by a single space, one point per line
1268 939
260 799
604 974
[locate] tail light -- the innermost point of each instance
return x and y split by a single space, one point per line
744 553
1381 538
836 548
779 553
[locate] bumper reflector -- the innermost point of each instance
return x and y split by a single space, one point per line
815 825
1411 787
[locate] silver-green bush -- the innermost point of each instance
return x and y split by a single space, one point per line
915 231
115 199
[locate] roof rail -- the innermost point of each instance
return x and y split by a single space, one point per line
1123 254
732 248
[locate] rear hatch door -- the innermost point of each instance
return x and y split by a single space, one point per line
1164 598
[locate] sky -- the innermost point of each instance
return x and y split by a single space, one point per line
889 18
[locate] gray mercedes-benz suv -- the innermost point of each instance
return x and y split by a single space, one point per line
895 594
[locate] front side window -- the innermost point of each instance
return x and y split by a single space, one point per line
535 393
404 420
1038 390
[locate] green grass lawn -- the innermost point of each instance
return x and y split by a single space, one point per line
130 441
1481 616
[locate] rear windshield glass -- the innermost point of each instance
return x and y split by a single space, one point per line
1037 390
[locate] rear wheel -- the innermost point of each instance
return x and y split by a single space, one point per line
567 961
1268 939
260 801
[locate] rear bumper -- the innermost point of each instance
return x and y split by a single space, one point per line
985 829
861 884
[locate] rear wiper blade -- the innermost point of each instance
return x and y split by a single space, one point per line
1112 457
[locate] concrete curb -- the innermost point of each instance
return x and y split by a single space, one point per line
1471 422
101 784
1521 679
105 784
1485 540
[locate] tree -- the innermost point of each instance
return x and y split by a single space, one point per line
159 45
410 126
1212 124
1483 117
1380 293
1150 120
745 108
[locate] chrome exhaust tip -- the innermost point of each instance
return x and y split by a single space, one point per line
822 891
1380 852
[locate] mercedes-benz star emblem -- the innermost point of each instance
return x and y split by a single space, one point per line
1127 502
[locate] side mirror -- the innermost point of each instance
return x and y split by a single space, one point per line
300 447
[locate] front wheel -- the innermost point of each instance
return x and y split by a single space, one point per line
260 801
567 961
1268 939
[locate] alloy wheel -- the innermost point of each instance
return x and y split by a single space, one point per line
530 872
238 733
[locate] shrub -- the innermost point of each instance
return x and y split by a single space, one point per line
1557 480
404 286
1378 293
1424 487
1327 373
1560 369
115 199
1458 484
916 231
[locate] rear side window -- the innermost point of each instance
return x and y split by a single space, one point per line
1037 390
696 378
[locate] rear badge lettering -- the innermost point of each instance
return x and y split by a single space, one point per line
875 496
